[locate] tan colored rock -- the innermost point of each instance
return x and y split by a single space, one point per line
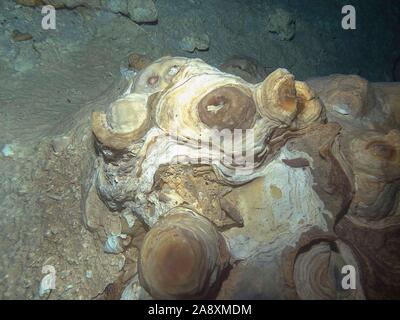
29 3
375 160
309 106
182 256
313 268
126 121
276 96
158 75
245 67
376 250
18 36
387 97
194 42
320 181
138 61
343 95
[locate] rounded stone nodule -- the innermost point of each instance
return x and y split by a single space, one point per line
276 96
127 120
227 107
182 257
129 114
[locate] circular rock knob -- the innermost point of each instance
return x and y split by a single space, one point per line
276 96
129 115
182 256
227 107
127 120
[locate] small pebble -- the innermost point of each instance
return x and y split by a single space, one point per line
7 150
59 144
89 274
20 36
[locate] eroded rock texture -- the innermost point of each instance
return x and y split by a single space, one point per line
308 187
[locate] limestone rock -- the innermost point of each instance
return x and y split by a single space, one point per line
245 67
142 11
138 61
194 42
60 144
345 95
312 269
183 256
29 3
378 257
21 36
282 24
375 159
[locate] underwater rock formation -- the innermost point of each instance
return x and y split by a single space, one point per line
281 23
283 206
245 67
138 61
194 42
182 256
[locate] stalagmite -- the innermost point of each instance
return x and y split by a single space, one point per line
316 164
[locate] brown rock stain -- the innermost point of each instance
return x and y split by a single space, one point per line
276 192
